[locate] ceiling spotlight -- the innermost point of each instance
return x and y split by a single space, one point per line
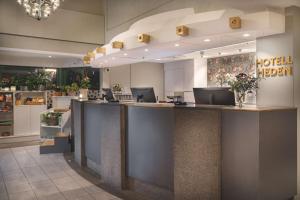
176 45
240 50
158 59
49 56
146 50
125 54
207 40
246 35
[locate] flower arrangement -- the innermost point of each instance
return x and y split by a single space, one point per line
243 84
117 87
85 83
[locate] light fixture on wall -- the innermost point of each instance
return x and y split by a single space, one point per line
40 9
246 35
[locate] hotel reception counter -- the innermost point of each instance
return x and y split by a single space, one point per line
189 152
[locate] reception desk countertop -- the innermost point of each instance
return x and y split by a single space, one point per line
253 108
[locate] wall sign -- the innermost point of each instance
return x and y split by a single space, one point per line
275 66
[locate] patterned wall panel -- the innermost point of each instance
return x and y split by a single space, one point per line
234 65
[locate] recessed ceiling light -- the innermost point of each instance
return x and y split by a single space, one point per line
246 35
207 40
125 54
146 50
176 45
158 59
50 56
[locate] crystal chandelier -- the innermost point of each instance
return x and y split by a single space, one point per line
39 9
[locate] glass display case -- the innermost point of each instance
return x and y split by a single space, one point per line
6 113
30 98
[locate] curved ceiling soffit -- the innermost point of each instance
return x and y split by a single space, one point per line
161 28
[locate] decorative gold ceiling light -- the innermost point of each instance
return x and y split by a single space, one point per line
145 38
40 9
182 30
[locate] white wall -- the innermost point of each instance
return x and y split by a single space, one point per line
64 31
283 91
136 75
200 72
62 24
179 77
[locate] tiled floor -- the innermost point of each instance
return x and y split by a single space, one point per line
27 175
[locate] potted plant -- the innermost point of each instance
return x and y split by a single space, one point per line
72 89
51 118
84 87
21 83
42 79
243 84
12 84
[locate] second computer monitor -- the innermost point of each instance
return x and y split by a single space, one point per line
214 96
145 94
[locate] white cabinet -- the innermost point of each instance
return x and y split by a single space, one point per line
21 120
35 117
27 119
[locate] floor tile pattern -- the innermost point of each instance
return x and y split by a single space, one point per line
27 175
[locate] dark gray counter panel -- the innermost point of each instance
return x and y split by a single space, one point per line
92 127
240 140
78 132
259 155
104 134
150 145
278 154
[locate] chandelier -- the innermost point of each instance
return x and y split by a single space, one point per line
39 9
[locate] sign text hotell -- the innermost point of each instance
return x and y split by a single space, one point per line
275 66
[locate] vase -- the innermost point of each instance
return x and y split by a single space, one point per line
240 98
24 88
84 93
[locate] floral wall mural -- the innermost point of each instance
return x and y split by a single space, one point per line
229 65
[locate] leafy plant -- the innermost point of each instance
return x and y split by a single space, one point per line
51 118
42 78
85 82
73 88
243 84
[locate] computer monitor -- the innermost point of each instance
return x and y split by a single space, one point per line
214 96
145 94
108 94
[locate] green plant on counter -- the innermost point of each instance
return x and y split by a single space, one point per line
51 118
85 83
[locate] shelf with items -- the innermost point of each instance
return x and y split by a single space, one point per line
54 121
6 113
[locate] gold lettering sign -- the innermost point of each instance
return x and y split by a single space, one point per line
275 66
